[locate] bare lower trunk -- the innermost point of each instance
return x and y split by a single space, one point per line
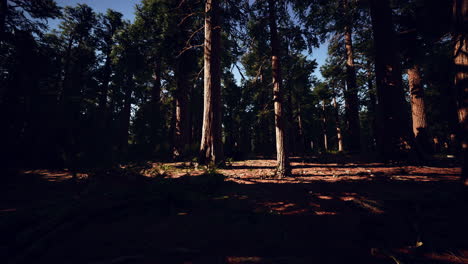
292 133
211 148
460 18
155 123
339 137
300 127
103 121
105 85
181 127
372 107
324 127
352 106
282 168
392 125
126 113
418 109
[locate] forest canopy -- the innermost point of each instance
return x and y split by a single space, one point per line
221 80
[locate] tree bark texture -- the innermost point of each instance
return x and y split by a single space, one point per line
352 106
282 168
211 147
418 109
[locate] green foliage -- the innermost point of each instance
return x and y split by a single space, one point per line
86 93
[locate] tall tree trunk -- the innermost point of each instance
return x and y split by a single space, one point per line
300 127
324 127
460 27
372 107
392 123
104 144
352 106
181 127
291 133
155 123
126 113
418 107
282 168
339 137
418 110
105 84
211 147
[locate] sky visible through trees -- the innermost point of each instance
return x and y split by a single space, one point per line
127 8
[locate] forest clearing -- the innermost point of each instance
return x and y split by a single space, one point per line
233 131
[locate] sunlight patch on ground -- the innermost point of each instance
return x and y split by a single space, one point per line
262 171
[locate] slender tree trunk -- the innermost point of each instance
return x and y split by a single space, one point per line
372 107
66 71
291 135
105 84
460 27
211 147
282 168
104 144
126 113
155 123
324 127
181 127
339 137
300 127
352 109
392 123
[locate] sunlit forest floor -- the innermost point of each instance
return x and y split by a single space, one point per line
328 212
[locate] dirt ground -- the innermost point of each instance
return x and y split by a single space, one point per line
326 212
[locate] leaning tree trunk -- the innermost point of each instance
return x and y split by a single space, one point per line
282 168
211 148
352 106
392 125
460 27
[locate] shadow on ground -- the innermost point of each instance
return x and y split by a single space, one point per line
119 216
